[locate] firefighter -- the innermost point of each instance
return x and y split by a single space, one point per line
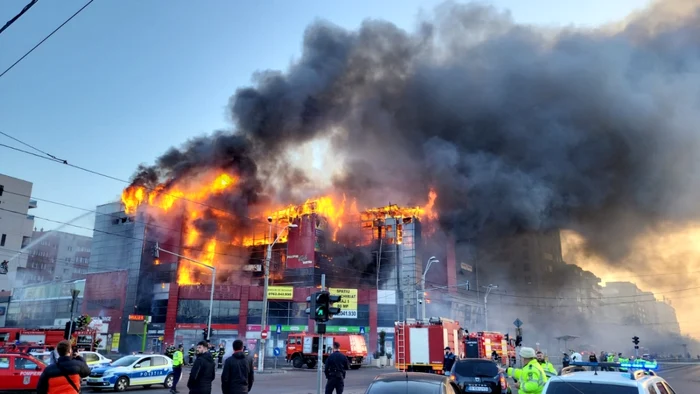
531 378
565 360
212 350
546 365
190 355
220 355
336 365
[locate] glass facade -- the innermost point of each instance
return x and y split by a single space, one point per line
197 311
41 305
280 312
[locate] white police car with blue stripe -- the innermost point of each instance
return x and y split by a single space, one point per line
139 370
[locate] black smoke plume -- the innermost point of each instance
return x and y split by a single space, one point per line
519 128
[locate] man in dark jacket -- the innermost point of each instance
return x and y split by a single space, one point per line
336 365
203 372
448 361
238 374
64 376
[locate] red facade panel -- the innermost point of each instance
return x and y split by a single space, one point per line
105 295
301 243
171 314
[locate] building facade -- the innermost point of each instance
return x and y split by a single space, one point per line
16 226
55 256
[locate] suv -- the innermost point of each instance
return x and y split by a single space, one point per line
591 382
19 372
479 376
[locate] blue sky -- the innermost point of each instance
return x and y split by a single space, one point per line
127 79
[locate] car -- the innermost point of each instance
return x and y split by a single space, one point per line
412 383
20 372
474 375
575 381
138 370
94 359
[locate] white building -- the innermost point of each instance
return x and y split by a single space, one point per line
16 226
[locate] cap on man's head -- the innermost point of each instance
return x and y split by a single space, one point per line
527 352
203 343
448 348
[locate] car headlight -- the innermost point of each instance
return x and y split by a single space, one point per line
108 374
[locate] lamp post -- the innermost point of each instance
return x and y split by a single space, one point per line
74 295
486 309
157 249
263 319
421 297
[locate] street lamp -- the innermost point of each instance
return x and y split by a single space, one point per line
263 319
421 296
157 249
74 295
486 309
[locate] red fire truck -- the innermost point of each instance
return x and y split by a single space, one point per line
302 349
420 345
483 344
45 336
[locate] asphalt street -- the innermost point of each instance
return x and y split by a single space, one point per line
685 379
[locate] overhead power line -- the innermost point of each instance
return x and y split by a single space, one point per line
46 38
13 20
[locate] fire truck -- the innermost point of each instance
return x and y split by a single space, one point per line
483 344
23 337
302 349
420 345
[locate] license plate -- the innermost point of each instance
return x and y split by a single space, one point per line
93 380
478 389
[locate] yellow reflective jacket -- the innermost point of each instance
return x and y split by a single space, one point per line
531 377
549 367
178 359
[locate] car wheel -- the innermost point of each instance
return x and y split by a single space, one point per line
122 384
298 362
169 381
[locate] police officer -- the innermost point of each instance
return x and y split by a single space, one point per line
190 354
178 360
531 378
336 365
220 355
545 364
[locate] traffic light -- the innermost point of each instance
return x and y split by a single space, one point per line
635 340
333 310
518 340
321 306
310 305
155 251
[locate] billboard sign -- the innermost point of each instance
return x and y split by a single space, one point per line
280 292
347 304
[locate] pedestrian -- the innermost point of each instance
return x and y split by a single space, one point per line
545 364
178 360
238 374
220 355
336 365
449 361
531 378
190 355
203 372
65 375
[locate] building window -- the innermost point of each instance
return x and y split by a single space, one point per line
2 239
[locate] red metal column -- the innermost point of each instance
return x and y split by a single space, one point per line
243 312
373 335
171 313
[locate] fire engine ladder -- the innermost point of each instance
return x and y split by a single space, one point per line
401 346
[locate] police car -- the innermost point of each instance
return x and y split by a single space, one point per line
139 370
94 359
590 378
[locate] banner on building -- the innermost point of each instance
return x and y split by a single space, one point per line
115 341
280 293
347 304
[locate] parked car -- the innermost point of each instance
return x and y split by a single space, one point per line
141 370
412 383
19 372
475 375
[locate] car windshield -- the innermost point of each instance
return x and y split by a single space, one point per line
589 388
476 368
404 387
125 361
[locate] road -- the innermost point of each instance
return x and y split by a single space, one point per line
685 379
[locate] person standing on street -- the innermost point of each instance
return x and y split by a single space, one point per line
238 374
336 365
531 378
178 360
203 372
190 355
220 355
64 376
449 361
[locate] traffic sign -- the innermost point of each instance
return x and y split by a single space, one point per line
277 351
362 330
517 323
263 335
279 328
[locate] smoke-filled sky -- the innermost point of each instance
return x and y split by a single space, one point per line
518 127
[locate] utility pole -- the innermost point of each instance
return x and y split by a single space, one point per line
74 295
321 327
486 309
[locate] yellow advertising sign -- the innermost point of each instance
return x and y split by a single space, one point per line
347 304
280 293
115 341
